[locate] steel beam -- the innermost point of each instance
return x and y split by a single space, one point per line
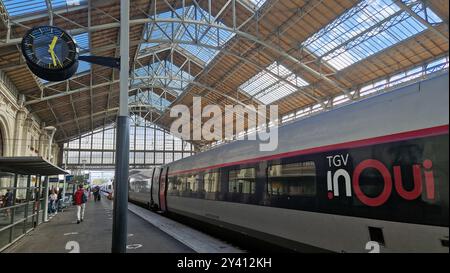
188 21
50 11
420 19
70 92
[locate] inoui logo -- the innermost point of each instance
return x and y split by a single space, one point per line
341 161
238 115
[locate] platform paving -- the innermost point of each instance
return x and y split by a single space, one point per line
196 240
93 235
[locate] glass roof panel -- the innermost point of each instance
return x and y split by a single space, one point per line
368 28
162 74
82 41
427 14
18 8
258 3
200 40
270 85
149 98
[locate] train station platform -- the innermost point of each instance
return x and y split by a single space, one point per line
148 232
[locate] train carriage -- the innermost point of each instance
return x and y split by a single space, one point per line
376 170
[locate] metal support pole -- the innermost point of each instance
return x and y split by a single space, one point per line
119 234
64 189
27 208
45 192
38 199
50 143
13 211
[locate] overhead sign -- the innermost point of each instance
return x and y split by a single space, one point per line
69 178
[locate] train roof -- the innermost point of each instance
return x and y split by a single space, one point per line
418 105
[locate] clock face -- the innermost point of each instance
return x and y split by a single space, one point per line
49 48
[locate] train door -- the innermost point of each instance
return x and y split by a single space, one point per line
163 189
152 202
155 188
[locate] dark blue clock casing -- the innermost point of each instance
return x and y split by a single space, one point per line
32 52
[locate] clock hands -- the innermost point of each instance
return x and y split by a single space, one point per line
51 50
53 57
60 64
53 43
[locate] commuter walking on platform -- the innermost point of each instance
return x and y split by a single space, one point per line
60 201
8 201
80 199
53 199
96 193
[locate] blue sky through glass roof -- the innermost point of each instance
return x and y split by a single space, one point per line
150 98
164 74
83 43
267 88
367 28
209 39
201 41
17 8
258 3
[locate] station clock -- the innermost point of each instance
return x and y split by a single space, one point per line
50 53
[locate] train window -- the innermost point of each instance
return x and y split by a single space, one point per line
174 185
211 182
295 179
181 182
242 181
211 185
192 182
187 185
141 186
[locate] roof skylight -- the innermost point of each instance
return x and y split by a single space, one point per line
83 43
273 84
368 28
163 75
18 8
149 98
258 3
200 40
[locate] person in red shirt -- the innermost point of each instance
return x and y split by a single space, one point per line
80 199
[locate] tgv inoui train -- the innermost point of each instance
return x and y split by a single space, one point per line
376 170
